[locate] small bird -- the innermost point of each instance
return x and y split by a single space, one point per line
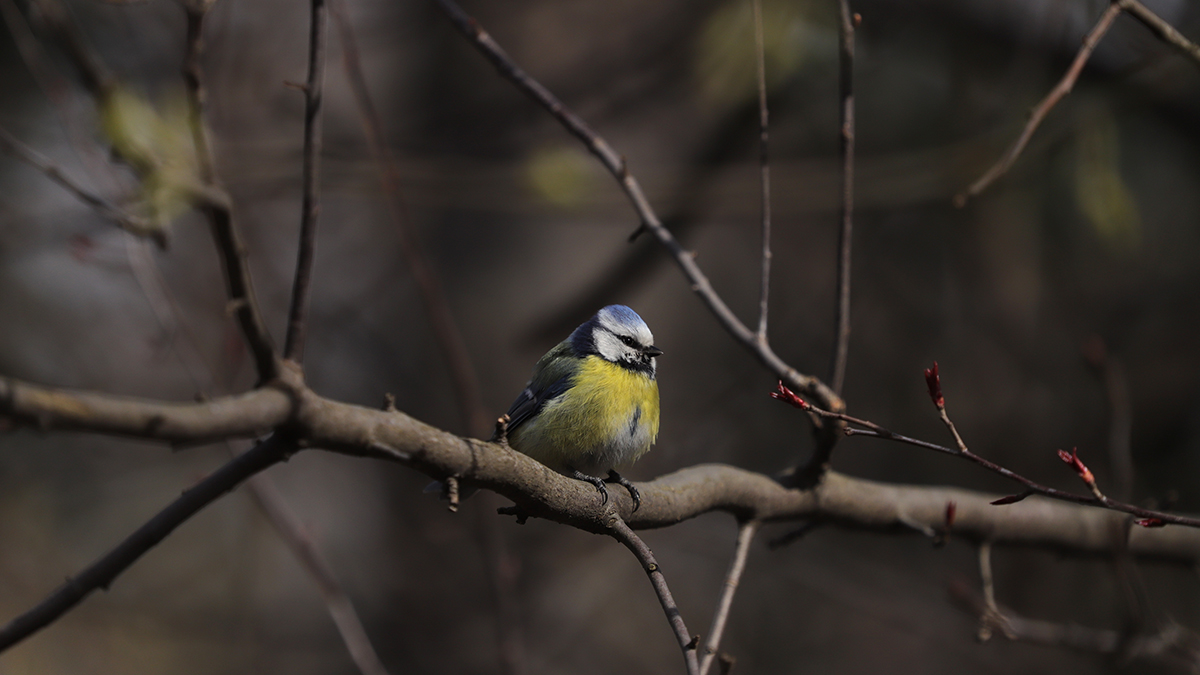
592 402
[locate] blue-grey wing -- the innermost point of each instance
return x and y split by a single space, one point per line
530 401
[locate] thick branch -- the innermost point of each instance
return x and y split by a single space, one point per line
243 416
693 491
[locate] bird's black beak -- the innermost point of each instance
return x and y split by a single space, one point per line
653 351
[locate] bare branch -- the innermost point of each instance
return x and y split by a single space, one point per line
98 80
810 385
311 203
131 223
841 336
1120 415
433 297
290 530
1043 108
217 208
100 574
687 643
243 416
1148 517
745 537
1172 645
765 169
1165 31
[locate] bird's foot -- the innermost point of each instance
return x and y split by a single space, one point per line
614 477
598 482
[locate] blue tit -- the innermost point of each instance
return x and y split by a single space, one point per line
592 402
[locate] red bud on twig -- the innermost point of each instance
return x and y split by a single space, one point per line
1012 499
1150 522
1072 458
935 386
788 396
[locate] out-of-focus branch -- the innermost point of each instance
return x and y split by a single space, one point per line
765 171
841 334
217 208
1043 108
1120 415
310 207
97 78
687 643
1172 645
291 531
745 537
100 574
1165 31
131 223
433 297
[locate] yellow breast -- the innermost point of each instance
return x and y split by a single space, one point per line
608 418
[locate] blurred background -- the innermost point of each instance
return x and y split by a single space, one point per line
1093 236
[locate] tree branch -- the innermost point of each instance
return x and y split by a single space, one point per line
745 537
1165 31
1043 108
687 643
841 335
100 574
128 222
311 202
615 164
217 208
765 171
243 416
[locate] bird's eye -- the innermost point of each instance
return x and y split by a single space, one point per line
626 339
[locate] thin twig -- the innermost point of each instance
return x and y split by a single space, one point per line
745 536
622 533
615 164
841 336
1172 645
1165 31
499 558
97 78
1150 518
101 573
433 296
1043 108
217 208
127 221
1120 415
311 204
990 618
765 168
291 531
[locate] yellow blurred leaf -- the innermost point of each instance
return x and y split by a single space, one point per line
561 175
1100 191
726 64
156 141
